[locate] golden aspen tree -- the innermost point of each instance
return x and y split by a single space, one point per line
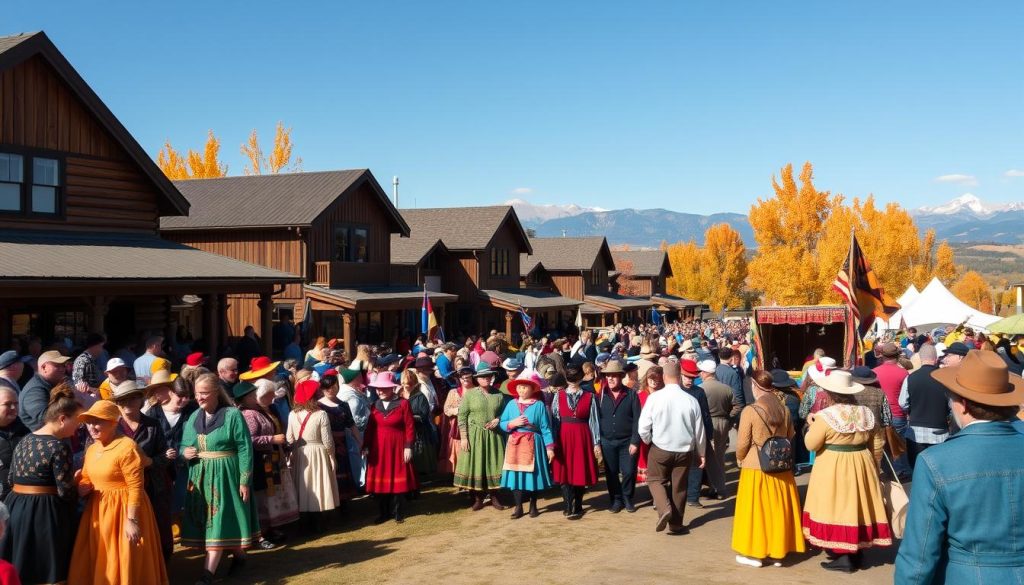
973 290
171 163
925 264
685 259
193 165
834 246
945 268
787 228
890 240
724 267
280 154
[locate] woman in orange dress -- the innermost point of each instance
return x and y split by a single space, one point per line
118 542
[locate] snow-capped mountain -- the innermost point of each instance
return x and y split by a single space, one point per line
968 203
531 214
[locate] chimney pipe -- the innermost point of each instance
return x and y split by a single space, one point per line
394 188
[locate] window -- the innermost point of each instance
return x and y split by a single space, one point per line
499 262
42 177
11 177
594 278
351 244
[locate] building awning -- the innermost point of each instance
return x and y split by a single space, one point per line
674 302
617 302
55 264
590 309
376 298
528 298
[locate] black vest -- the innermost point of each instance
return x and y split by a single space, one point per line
928 403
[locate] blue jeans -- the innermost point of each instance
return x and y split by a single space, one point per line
901 464
696 477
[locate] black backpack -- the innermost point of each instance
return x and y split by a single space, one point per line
776 454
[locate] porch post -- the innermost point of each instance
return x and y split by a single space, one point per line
266 305
346 331
508 326
603 317
98 311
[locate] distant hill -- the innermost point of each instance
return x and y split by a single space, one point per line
642 228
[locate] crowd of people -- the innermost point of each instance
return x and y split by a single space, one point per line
137 453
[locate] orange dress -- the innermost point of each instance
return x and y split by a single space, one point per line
102 555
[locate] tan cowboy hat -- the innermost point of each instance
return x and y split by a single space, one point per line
645 352
982 377
838 381
160 378
125 389
686 346
613 367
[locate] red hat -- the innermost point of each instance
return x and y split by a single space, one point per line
689 368
333 343
331 372
195 359
306 390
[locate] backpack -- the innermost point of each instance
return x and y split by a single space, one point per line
776 454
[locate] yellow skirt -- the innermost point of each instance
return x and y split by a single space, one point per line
767 519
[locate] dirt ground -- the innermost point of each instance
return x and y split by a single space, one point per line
442 541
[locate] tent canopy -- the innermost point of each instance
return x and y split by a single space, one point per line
935 305
896 320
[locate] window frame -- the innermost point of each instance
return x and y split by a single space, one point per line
500 262
28 156
349 242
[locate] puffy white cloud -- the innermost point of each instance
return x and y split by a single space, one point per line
958 179
521 191
1014 173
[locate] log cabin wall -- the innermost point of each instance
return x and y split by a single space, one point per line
102 189
359 208
505 239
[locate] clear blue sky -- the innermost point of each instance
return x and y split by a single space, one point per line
690 106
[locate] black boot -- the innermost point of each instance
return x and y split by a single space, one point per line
533 505
496 501
842 563
517 495
578 501
206 579
567 499
383 506
237 564
398 513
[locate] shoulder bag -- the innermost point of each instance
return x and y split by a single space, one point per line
776 453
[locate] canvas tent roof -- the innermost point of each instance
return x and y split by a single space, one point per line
937 306
905 300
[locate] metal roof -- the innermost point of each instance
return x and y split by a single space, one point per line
618 301
646 263
409 297
559 254
674 301
95 256
462 228
528 298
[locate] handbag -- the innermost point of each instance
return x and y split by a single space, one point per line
897 445
775 454
897 502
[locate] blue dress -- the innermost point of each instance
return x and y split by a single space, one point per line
540 428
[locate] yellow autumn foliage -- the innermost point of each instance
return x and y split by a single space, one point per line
193 165
280 154
973 290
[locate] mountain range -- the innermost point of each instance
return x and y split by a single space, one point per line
965 219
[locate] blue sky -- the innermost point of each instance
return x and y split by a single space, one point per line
690 106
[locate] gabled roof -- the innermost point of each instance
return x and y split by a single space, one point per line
282 200
527 267
560 254
463 228
413 250
16 49
646 263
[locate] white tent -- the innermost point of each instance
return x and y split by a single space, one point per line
935 305
896 320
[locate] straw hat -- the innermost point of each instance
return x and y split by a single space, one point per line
646 353
125 389
982 377
101 410
819 370
839 381
160 378
259 367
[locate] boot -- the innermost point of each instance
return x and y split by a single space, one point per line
397 511
517 495
496 502
237 564
578 501
383 505
842 563
478 502
206 579
566 499
533 505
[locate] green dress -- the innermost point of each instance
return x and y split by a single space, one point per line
215 516
480 469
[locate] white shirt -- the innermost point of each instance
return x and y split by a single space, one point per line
671 421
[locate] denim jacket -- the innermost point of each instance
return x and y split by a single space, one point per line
966 518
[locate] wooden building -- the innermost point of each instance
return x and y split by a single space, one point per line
80 206
644 273
579 268
331 229
474 253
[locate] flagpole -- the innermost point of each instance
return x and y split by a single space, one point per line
853 293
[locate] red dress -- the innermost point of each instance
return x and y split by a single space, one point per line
388 433
574 463
641 466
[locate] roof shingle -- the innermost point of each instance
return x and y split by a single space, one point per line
564 253
461 228
646 263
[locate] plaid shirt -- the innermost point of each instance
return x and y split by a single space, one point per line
84 370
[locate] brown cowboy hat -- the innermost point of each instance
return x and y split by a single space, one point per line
614 368
982 377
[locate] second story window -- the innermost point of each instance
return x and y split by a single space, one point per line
29 184
499 262
351 244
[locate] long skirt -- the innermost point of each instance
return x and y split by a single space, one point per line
355 459
844 510
480 468
424 450
342 468
448 453
276 500
40 536
315 482
215 515
575 463
767 519
530 481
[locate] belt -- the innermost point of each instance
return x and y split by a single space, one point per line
216 454
846 448
35 490
574 420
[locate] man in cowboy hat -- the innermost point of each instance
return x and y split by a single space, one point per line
618 414
648 359
964 523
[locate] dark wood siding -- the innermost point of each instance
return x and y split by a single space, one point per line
600 270
360 207
569 285
504 239
404 274
459 275
103 190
